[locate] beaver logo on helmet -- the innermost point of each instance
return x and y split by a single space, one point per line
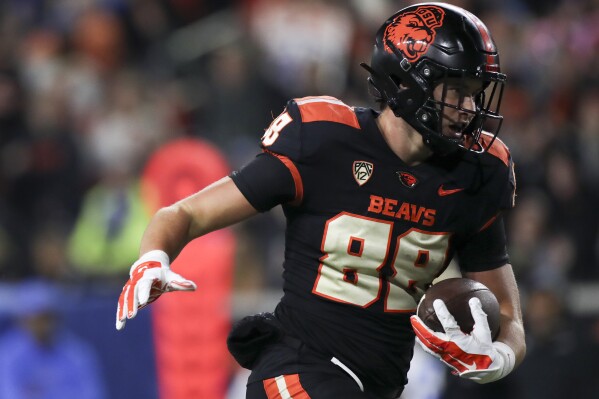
413 32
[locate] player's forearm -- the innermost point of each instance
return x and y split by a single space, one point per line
503 284
512 334
512 327
219 205
168 230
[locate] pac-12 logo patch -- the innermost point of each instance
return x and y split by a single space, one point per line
407 179
362 171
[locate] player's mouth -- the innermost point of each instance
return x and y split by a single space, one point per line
455 130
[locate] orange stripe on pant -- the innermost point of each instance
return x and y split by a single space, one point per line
285 387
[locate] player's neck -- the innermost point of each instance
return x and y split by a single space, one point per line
403 140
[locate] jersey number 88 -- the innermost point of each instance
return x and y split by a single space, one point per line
357 248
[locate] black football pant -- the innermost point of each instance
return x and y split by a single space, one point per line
306 386
301 373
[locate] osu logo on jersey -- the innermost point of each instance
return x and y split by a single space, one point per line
362 171
407 179
413 32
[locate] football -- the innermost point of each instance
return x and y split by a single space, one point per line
456 292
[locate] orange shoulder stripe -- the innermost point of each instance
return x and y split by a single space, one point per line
498 148
489 222
297 178
325 108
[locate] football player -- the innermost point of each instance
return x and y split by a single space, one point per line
377 203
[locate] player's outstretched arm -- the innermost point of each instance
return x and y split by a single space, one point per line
170 229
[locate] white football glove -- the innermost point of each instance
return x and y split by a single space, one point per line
150 277
474 356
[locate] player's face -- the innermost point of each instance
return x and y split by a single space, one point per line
458 96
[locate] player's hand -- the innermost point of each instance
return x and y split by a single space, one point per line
149 278
474 356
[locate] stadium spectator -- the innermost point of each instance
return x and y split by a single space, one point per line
39 358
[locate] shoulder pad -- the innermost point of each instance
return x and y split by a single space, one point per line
498 148
326 109
284 135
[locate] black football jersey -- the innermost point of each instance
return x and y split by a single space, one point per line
366 233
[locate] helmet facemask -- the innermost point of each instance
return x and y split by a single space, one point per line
457 113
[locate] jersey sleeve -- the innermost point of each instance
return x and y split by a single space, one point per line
265 182
287 134
274 177
507 193
283 136
486 250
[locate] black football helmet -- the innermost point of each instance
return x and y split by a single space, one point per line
420 47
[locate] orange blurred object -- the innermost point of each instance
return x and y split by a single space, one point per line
190 329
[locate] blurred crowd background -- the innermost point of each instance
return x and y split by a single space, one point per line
89 89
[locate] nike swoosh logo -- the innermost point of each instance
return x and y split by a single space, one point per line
469 367
443 192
